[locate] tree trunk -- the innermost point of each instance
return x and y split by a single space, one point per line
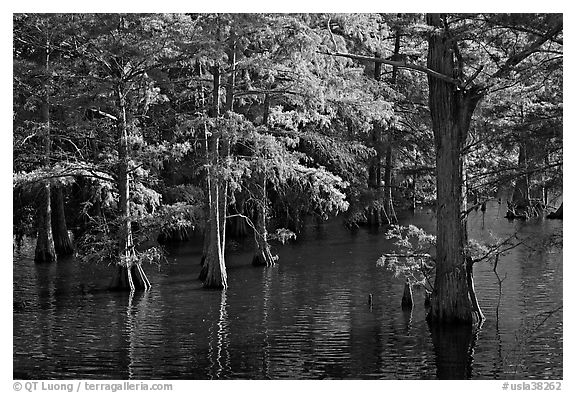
45 250
521 194
413 192
375 167
451 111
62 241
262 254
129 273
388 199
214 263
205 245
407 299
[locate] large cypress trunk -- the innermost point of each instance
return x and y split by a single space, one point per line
451 109
62 242
45 251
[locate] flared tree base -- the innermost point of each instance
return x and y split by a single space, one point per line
264 257
204 271
130 279
64 247
407 300
45 256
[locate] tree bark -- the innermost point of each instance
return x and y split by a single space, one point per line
214 263
389 158
375 168
388 198
451 110
62 242
521 194
262 253
129 273
45 249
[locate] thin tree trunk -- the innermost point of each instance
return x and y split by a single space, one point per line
389 159
413 192
129 274
215 266
229 106
451 111
45 250
62 242
262 253
214 263
205 244
521 194
388 199
375 167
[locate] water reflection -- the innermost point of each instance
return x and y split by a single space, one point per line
454 349
267 277
137 315
307 317
218 354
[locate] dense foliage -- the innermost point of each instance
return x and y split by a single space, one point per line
147 127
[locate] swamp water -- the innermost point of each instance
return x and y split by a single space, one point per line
306 318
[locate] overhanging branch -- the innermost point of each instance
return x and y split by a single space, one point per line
399 64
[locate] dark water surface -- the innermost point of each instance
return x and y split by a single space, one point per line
308 317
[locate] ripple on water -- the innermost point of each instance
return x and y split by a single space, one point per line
308 317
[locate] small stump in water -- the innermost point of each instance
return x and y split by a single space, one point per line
407 301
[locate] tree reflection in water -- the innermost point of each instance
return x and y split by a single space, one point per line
454 350
218 353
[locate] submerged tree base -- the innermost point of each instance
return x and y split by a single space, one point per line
44 256
130 279
558 214
63 246
264 257
204 271
407 300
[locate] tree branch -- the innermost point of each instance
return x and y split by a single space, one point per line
528 50
399 64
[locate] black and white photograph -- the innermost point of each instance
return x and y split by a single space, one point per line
286 196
